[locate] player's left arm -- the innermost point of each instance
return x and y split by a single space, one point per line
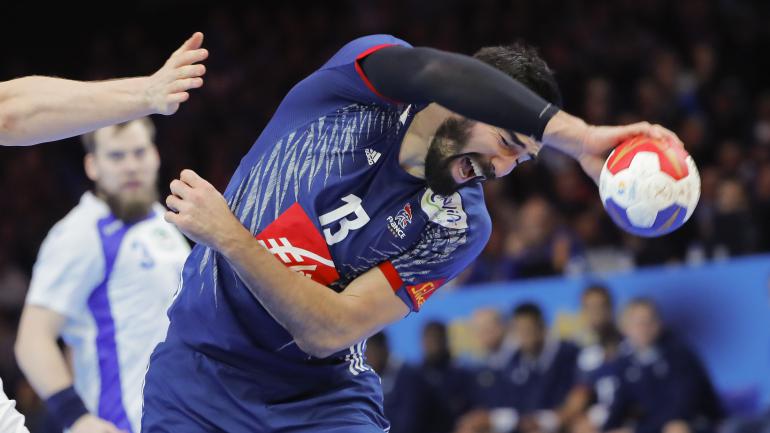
472 88
321 320
36 109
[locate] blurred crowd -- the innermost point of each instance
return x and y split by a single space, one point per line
696 66
630 374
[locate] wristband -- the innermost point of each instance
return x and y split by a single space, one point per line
66 406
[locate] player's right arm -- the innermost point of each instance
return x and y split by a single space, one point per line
38 109
44 365
323 321
68 267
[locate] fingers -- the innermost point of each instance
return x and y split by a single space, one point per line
639 128
192 43
185 84
177 98
191 178
189 57
190 71
174 203
180 189
669 135
172 217
657 132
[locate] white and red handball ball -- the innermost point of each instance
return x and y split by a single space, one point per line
649 187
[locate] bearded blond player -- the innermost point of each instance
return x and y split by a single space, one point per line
38 109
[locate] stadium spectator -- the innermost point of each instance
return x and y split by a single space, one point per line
447 382
663 386
524 395
586 406
489 330
404 392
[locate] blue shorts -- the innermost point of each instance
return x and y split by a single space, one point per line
188 391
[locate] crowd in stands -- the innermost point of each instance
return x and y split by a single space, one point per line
624 374
698 67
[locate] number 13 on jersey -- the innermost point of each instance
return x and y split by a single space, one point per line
339 217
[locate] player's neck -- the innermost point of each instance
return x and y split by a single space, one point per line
417 139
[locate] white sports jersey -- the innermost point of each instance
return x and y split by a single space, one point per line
11 421
113 282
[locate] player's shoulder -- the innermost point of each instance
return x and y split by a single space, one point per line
80 223
464 211
359 46
164 230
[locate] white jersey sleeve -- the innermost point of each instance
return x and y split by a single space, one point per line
11 421
69 266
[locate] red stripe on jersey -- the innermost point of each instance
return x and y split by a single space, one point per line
391 274
365 78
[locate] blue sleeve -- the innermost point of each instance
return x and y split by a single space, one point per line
458 229
341 81
357 49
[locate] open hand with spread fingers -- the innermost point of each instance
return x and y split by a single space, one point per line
169 86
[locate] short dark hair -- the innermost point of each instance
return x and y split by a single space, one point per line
523 63
531 310
435 326
89 139
597 289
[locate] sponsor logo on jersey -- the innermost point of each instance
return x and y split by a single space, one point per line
397 224
421 292
294 240
446 211
372 156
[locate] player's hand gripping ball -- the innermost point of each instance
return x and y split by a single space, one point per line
649 187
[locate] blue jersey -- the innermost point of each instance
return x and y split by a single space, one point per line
322 189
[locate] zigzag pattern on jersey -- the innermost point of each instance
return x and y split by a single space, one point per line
305 156
435 246
295 162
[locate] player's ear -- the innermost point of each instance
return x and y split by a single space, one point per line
89 162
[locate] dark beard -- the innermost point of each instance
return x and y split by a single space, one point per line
131 209
449 140
437 167
447 146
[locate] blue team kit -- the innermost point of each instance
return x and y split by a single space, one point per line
323 191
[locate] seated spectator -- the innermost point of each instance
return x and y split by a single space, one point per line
663 386
523 395
539 244
447 382
586 406
488 329
403 390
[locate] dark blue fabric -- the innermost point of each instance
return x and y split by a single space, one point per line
186 391
674 386
528 387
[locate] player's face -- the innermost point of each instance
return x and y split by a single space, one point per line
489 330
124 167
597 310
528 333
641 326
488 153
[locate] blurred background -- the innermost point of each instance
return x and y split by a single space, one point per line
699 67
